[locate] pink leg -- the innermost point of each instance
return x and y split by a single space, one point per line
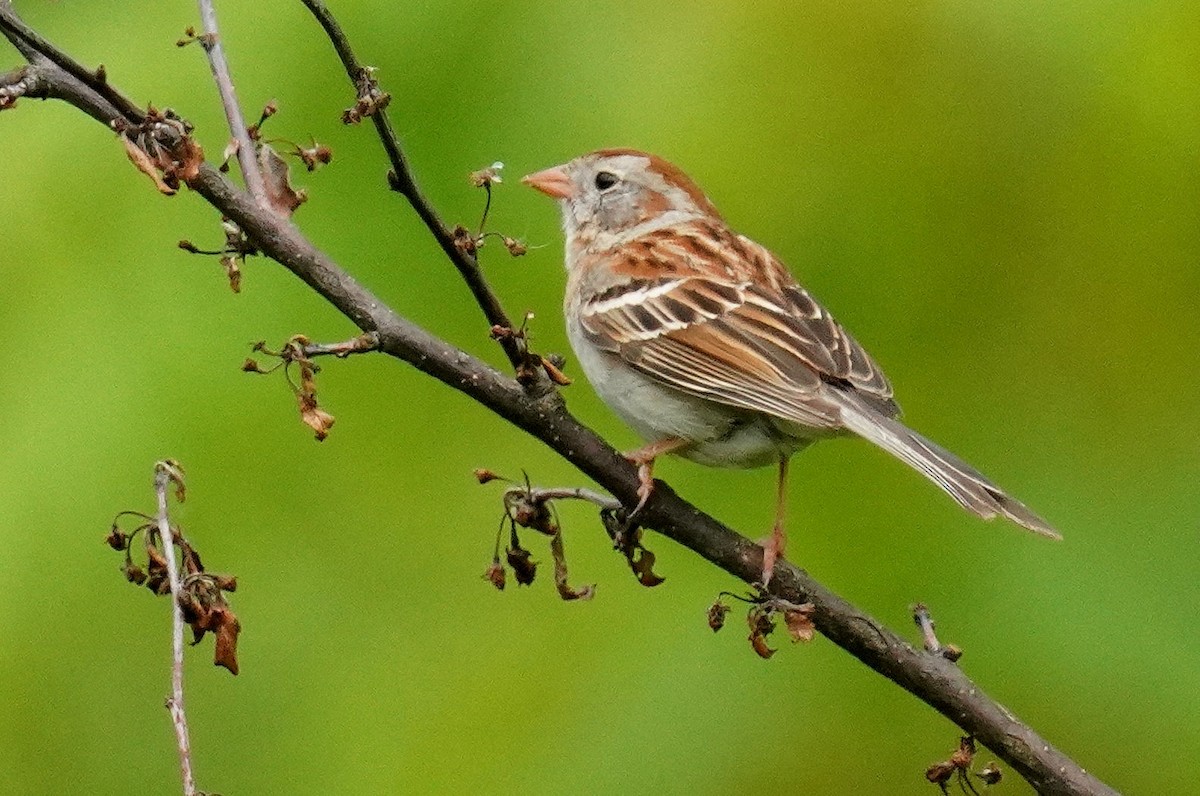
644 458
774 547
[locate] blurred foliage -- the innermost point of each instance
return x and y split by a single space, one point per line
999 199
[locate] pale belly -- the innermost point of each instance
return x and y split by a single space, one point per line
720 435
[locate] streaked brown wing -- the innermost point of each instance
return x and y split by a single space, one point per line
767 347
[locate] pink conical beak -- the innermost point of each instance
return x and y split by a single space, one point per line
552 182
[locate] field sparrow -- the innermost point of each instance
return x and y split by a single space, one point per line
703 342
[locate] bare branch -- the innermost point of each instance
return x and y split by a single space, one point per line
401 179
542 414
166 472
211 42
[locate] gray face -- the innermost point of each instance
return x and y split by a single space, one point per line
611 193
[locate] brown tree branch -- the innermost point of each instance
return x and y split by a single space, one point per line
929 677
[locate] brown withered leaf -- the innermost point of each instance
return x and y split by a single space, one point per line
314 416
156 563
939 774
523 566
145 164
117 539
283 198
641 561
495 573
133 573
225 582
560 574
716 615
761 626
798 621
555 374
233 271
191 558
227 630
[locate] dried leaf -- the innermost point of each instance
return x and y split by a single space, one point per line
225 582
940 773
133 573
556 375
191 559
227 629
761 626
117 539
560 574
641 561
799 622
233 271
145 165
716 615
496 574
523 566
314 416
282 197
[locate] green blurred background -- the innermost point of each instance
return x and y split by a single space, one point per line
1000 199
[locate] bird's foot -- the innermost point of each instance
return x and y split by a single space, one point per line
773 547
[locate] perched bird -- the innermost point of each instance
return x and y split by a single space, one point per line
703 342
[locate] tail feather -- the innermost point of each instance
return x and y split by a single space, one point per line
970 488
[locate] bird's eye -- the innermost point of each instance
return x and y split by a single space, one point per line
605 180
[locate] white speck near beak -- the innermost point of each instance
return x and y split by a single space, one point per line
553 182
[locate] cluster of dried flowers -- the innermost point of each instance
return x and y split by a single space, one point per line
958 766
202 595
762 616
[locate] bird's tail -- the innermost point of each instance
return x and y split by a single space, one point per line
970 488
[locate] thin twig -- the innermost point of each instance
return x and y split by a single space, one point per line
537 494
211 42
364 343
925 622
403 181
164 473
932 679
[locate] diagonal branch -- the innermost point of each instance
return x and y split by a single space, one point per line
211 42
166 473
402 180
929 677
